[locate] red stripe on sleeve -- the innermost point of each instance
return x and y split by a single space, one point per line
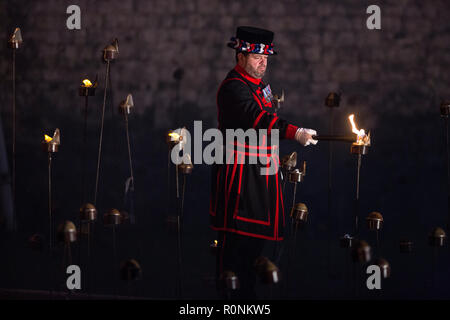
290 132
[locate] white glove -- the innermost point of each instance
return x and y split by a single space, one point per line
304 136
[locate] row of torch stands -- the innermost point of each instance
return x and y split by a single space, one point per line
67 233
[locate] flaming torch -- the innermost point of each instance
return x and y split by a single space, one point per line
51 145
359 147
178 138
86 89
362 143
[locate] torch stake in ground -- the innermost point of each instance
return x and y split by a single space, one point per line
288 163
86 90
359 148
101 134
178 140
50 200
357 194
445 111
66 234
51 145
125 109
179 283
110 53
268 273
112 218
332 101
15 42
375 223
436 239
88 215
294 176
185 168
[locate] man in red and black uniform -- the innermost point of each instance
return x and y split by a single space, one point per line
246 207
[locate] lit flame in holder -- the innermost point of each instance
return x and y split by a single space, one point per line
359 147
362 143
87 88
51 145
178 140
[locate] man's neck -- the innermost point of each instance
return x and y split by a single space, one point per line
246 75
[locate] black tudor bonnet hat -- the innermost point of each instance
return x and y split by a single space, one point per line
253 40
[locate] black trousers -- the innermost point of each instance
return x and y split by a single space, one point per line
237 253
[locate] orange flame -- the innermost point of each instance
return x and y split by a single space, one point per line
47 138
360 133
87 83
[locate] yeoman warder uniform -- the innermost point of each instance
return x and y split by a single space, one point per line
246 207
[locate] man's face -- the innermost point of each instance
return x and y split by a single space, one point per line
255 64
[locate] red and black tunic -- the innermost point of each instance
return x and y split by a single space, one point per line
242 200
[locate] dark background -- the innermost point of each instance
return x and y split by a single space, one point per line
393 79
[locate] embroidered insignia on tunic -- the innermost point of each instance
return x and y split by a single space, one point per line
267 92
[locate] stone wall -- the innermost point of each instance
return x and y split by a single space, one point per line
393 79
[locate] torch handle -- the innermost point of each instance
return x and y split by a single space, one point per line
334 138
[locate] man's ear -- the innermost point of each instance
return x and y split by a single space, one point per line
240 57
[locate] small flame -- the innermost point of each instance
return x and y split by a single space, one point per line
174 135
215 242
87 83
47 138
360 133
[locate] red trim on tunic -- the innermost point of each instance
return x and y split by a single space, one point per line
282 204
276 214
246 233
271 124
266 223
236 208
258 118
257 100
232 174
237 143
226 197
